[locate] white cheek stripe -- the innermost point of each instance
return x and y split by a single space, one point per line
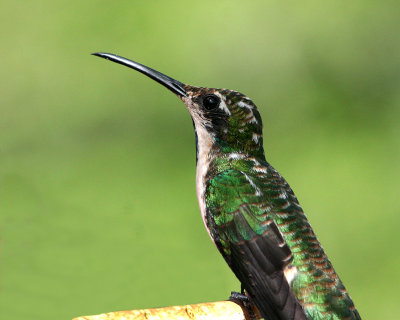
223 105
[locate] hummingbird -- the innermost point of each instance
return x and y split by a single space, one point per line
251 212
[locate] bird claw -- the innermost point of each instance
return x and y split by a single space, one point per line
239 296
245 301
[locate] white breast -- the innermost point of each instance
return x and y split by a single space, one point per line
204 140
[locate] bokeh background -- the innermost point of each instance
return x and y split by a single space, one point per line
97 162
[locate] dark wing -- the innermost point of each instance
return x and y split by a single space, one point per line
251 243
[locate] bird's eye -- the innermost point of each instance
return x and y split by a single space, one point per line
211 102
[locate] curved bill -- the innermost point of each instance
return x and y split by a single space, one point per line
172 84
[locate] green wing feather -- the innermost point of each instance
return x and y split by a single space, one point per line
252 244
260 229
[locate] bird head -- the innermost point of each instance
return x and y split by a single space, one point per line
225 120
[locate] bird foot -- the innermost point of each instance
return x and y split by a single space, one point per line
244 300
239 296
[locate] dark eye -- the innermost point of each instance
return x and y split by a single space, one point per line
211 102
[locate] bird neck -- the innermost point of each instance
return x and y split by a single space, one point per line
210 145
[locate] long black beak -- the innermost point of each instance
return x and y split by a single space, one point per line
172 84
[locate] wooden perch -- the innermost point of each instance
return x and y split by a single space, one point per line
222 310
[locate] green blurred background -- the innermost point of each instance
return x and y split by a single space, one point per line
97 162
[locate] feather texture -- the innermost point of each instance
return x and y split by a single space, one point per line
260 229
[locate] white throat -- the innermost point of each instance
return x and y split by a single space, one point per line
204 145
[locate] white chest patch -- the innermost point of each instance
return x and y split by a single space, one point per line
204 141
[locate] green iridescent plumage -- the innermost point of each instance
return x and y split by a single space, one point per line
250 211
255 218
234 206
